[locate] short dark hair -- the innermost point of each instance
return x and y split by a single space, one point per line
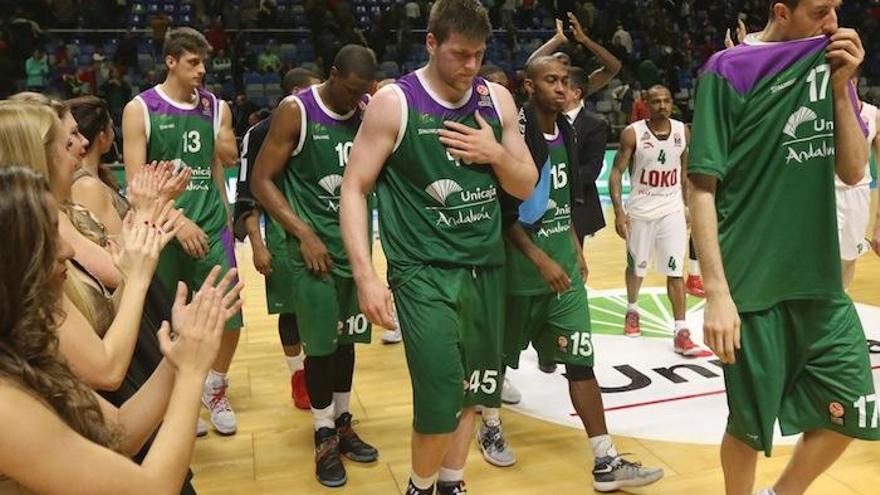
297 78
488 69
791 4
185 39
533 69
465 17
356 59
578 78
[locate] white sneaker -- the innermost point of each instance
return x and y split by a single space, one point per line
222 415
509 393
201 428
391 336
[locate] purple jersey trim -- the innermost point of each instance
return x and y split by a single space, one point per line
420 101
744 65
205 108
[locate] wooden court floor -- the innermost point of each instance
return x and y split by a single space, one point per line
272 451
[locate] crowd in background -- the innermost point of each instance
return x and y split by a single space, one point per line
52 45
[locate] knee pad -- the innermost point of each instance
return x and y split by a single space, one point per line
579 373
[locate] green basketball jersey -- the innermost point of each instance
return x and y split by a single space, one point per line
764 126
313 175
185 134
554 236
433 209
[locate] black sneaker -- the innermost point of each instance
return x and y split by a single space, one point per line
328 465
547 366
351 445
451 488
412 490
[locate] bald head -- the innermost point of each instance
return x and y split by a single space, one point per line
540 65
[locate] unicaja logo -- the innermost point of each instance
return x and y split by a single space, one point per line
802 115
441 189
330 183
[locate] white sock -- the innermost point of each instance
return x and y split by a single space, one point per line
680 324
694 268
491 416
340 401
450 475
295 363
767 491
215 379
323 417
603 446
633 306
422 483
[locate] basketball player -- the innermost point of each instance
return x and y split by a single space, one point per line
654 221
547 302
440 141
854 202
296 179
271 260
770 114
179 120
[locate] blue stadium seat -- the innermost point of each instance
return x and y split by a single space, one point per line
252 78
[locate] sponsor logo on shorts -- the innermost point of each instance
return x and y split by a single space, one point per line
562 343
649 391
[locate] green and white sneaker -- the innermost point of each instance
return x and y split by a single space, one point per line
613 473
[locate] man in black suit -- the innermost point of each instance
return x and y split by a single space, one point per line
592 135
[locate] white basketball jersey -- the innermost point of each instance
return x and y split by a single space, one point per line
869 117
655 174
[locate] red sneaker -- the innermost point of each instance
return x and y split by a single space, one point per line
632 328
683 345
694 286
298 390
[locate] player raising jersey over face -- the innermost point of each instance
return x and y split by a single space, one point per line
179 120
775 118
441 142
296 179
654 220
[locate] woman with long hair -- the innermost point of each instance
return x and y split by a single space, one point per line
43 406
94 186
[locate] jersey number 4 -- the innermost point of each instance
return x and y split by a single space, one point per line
662 157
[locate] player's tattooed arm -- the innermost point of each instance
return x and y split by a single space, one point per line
282 139
372 146
721 322
615 181
549 269
845 53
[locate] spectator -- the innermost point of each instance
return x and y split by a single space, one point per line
159 24
150 79
648 73
221 66
241 112
117 92
640 110
269 61
127 52
37 71
623 39
25 32
216 36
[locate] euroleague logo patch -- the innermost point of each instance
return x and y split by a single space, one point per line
482 90
648 390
